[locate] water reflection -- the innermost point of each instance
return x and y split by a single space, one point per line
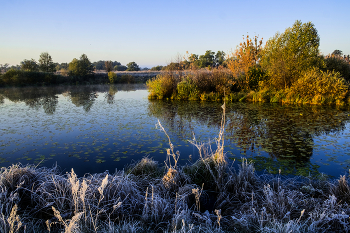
58 124
2 99
46 97
83 97
109 96
285 133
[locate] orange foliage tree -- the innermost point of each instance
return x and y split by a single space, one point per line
244 59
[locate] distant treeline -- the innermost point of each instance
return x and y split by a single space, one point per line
78 71
288 69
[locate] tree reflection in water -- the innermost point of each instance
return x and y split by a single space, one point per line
2 99
46 97
109 96
284 132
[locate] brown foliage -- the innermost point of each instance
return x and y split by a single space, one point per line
245 57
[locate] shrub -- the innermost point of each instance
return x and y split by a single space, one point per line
200 174
217 80
21 78
186 89
126 78
162 86
112 77
145 167
256 75
318 87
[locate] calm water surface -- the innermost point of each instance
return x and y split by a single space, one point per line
102 127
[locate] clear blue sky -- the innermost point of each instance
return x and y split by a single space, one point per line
156 32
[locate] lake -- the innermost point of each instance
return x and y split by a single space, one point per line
106 127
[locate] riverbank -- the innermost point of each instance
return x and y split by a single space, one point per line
314 87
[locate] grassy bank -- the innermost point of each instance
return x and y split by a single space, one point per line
206 196
314 87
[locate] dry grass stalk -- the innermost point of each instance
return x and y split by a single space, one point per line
14 220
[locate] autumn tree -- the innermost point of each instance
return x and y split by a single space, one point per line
45 63
109 66
286 56
244 60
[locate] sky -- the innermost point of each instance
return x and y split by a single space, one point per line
153 32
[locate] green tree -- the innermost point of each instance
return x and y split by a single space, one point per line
156 68
286 56
337 53
338 64
3 68
207 60
45 63
73 67
86 65
81 67
193 60
99 65
120 68
219 58
174 66
132 66
29 65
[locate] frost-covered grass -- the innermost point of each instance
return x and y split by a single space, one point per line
207 196
40 199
